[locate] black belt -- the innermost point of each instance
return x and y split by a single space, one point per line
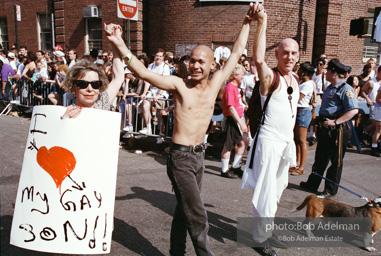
192 149
321 119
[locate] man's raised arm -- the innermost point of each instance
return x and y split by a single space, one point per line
265 74
163 82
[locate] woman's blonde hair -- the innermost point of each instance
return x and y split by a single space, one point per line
238 69
79 70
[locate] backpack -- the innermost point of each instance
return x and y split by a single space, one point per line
254 112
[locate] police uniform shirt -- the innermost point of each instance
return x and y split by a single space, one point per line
337 101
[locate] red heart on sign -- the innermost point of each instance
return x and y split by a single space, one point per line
57 161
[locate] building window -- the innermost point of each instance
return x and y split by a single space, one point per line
45 32
370 48
4 33
94 34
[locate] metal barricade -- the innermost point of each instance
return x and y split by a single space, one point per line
9 98
22 95
137 113
36 93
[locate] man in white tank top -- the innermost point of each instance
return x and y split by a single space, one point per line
369 92
275 149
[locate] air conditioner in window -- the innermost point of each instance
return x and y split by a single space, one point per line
91 12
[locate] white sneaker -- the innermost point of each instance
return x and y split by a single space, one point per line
145 131
128 135
159 140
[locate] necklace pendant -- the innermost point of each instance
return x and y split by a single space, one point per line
290 90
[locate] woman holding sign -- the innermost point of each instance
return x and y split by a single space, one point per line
65 200
90 85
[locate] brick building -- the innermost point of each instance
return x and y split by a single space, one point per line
320 26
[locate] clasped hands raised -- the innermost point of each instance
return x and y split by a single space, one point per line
256 11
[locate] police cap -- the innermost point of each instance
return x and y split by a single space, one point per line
336 66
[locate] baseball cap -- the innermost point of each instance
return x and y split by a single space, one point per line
59 54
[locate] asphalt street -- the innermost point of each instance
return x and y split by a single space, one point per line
145 202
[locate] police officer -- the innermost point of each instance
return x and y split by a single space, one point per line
338 106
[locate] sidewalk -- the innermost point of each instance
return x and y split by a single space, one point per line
145 202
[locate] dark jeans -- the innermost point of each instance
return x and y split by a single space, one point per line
327 150
185 170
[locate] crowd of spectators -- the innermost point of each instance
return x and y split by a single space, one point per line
145 107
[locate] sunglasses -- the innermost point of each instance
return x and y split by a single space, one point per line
320 64
82 84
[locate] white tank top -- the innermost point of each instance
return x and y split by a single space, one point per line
279 119
373 94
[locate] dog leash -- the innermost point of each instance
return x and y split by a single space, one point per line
340 186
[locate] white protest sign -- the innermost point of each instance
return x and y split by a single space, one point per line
66 194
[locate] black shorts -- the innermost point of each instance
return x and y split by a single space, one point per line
233 133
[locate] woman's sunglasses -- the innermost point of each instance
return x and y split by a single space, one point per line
83 84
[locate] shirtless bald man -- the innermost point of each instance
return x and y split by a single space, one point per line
194 102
